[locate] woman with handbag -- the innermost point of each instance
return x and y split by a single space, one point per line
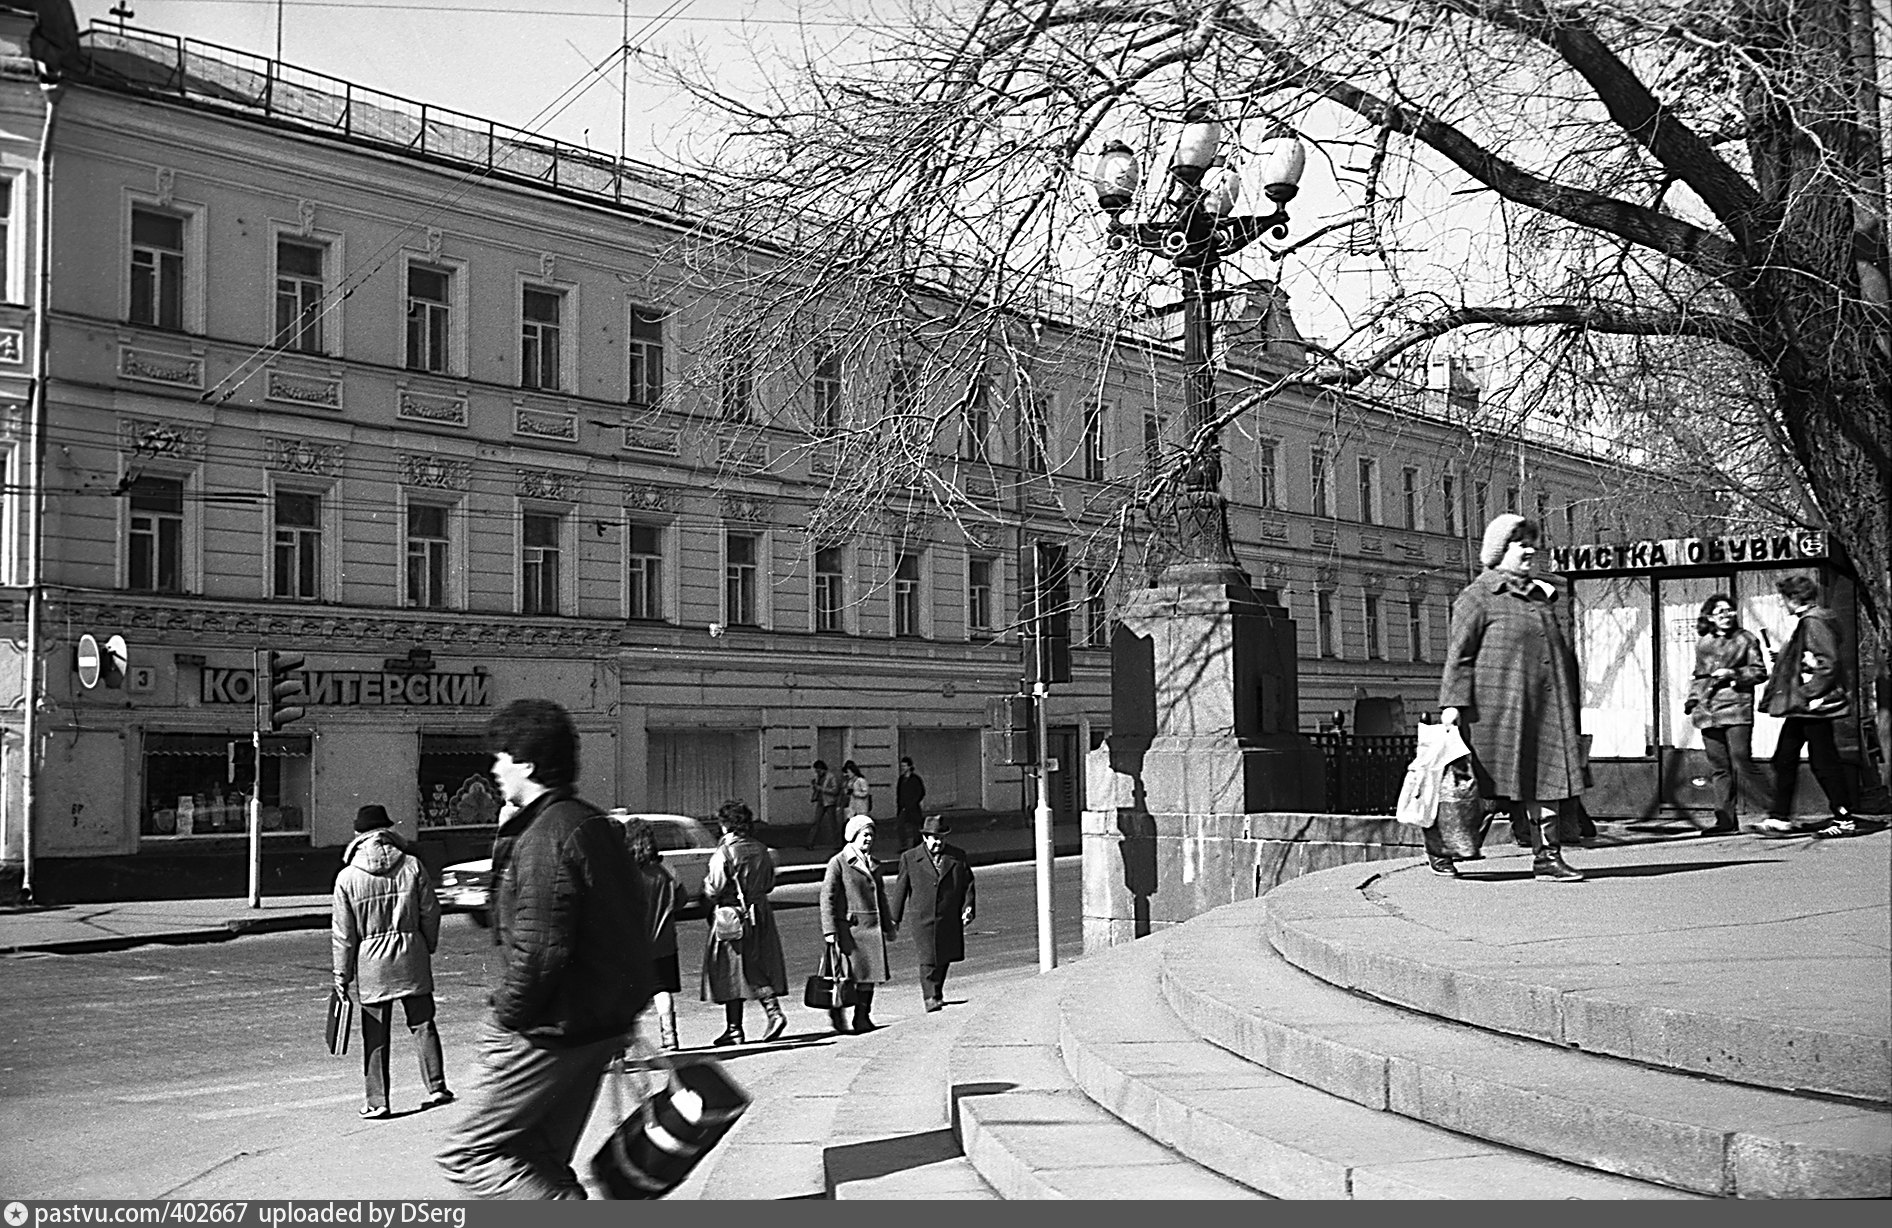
743 957
1810 690
855 922
1728 666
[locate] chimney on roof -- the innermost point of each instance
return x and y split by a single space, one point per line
1263 332
1456 380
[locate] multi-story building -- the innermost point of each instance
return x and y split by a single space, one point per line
437 405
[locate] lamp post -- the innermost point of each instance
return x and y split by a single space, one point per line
1200 231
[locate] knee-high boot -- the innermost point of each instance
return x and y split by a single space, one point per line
861 1022
665 1007
1547 862
732 1016
778 1022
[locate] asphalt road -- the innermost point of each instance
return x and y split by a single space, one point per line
198 1071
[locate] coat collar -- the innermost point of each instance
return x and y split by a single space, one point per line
1538 586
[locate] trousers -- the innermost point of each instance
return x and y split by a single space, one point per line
1731 764
1823 756
524 1114
377 1022
933 982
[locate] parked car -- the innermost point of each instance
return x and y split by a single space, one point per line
684 843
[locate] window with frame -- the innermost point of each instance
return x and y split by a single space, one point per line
979 610
644 571
1321 493
827 391
298 552
906 595
299 289
6 241
646 350
1327 635
1096 612
1267 473
428 546
1448 495
157 269
540 310
736 376
1511 499
155 549
1416 628
1034 426
1374 650
539 550
1409 496
1094 441
429 311
1369 470
830 588
1481 499
975 428
741 552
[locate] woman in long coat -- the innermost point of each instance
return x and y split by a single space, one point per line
741 873
855 920
1510 685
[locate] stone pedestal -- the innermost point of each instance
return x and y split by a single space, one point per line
1205 703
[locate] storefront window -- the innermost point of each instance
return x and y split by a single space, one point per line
456 783
1614 643
198 784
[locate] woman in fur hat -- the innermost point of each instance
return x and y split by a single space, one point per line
1510 685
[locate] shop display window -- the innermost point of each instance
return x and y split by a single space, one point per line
198 784
456 781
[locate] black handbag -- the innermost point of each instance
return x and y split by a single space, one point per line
341 1019
656 1146
830 988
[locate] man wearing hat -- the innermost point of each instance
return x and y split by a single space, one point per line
385 925
937 877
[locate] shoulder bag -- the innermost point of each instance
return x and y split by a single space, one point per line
731 922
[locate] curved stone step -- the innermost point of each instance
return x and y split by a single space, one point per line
1032 1134
1703 1135
1762 962
1131 1053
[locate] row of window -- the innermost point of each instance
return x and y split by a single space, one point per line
1328 641
1412 501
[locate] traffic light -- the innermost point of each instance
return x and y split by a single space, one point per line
1045 584
279 690
1011 730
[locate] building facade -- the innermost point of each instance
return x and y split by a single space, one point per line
439 406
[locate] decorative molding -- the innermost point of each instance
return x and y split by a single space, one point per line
12 346
1273 570
441 409
1372 545
237 630
545 484
544 423
166 190
751 455
654 440
435 240
548 266
1327 575
160 367
305 218
1416 551
302 456
643 498
1419 585
297 388
1275 530
1373 582
159 438
436 472
1325 537
747 508
1455 553
821 463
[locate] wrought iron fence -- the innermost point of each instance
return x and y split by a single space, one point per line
1364 773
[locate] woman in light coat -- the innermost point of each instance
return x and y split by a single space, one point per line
741 873
860 799
855 920
1728 666
1510 685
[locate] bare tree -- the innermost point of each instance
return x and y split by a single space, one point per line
1626 187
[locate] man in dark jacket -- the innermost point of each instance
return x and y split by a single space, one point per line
937 878
908 792
573 966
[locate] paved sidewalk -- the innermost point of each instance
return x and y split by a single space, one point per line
112 926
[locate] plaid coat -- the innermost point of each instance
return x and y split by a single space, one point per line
1510 671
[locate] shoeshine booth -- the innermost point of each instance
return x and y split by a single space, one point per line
1635 606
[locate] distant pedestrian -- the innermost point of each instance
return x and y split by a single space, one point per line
384 927
1510 685
1728 666
741 874
908 792
1810 690
660 917
573 966
860 798
937 878
855 921
826 796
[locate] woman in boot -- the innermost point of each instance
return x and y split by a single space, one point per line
741 874
1510 685
855 921
660 916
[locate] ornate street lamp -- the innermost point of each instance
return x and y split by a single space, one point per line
1199 232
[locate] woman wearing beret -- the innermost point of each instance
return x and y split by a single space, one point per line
855 921
1510 685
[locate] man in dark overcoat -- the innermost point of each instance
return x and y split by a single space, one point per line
937 878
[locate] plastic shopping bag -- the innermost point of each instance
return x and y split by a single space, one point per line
1439 747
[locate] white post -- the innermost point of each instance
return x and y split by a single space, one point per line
1047 945
256 819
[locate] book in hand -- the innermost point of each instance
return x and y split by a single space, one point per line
341 1020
